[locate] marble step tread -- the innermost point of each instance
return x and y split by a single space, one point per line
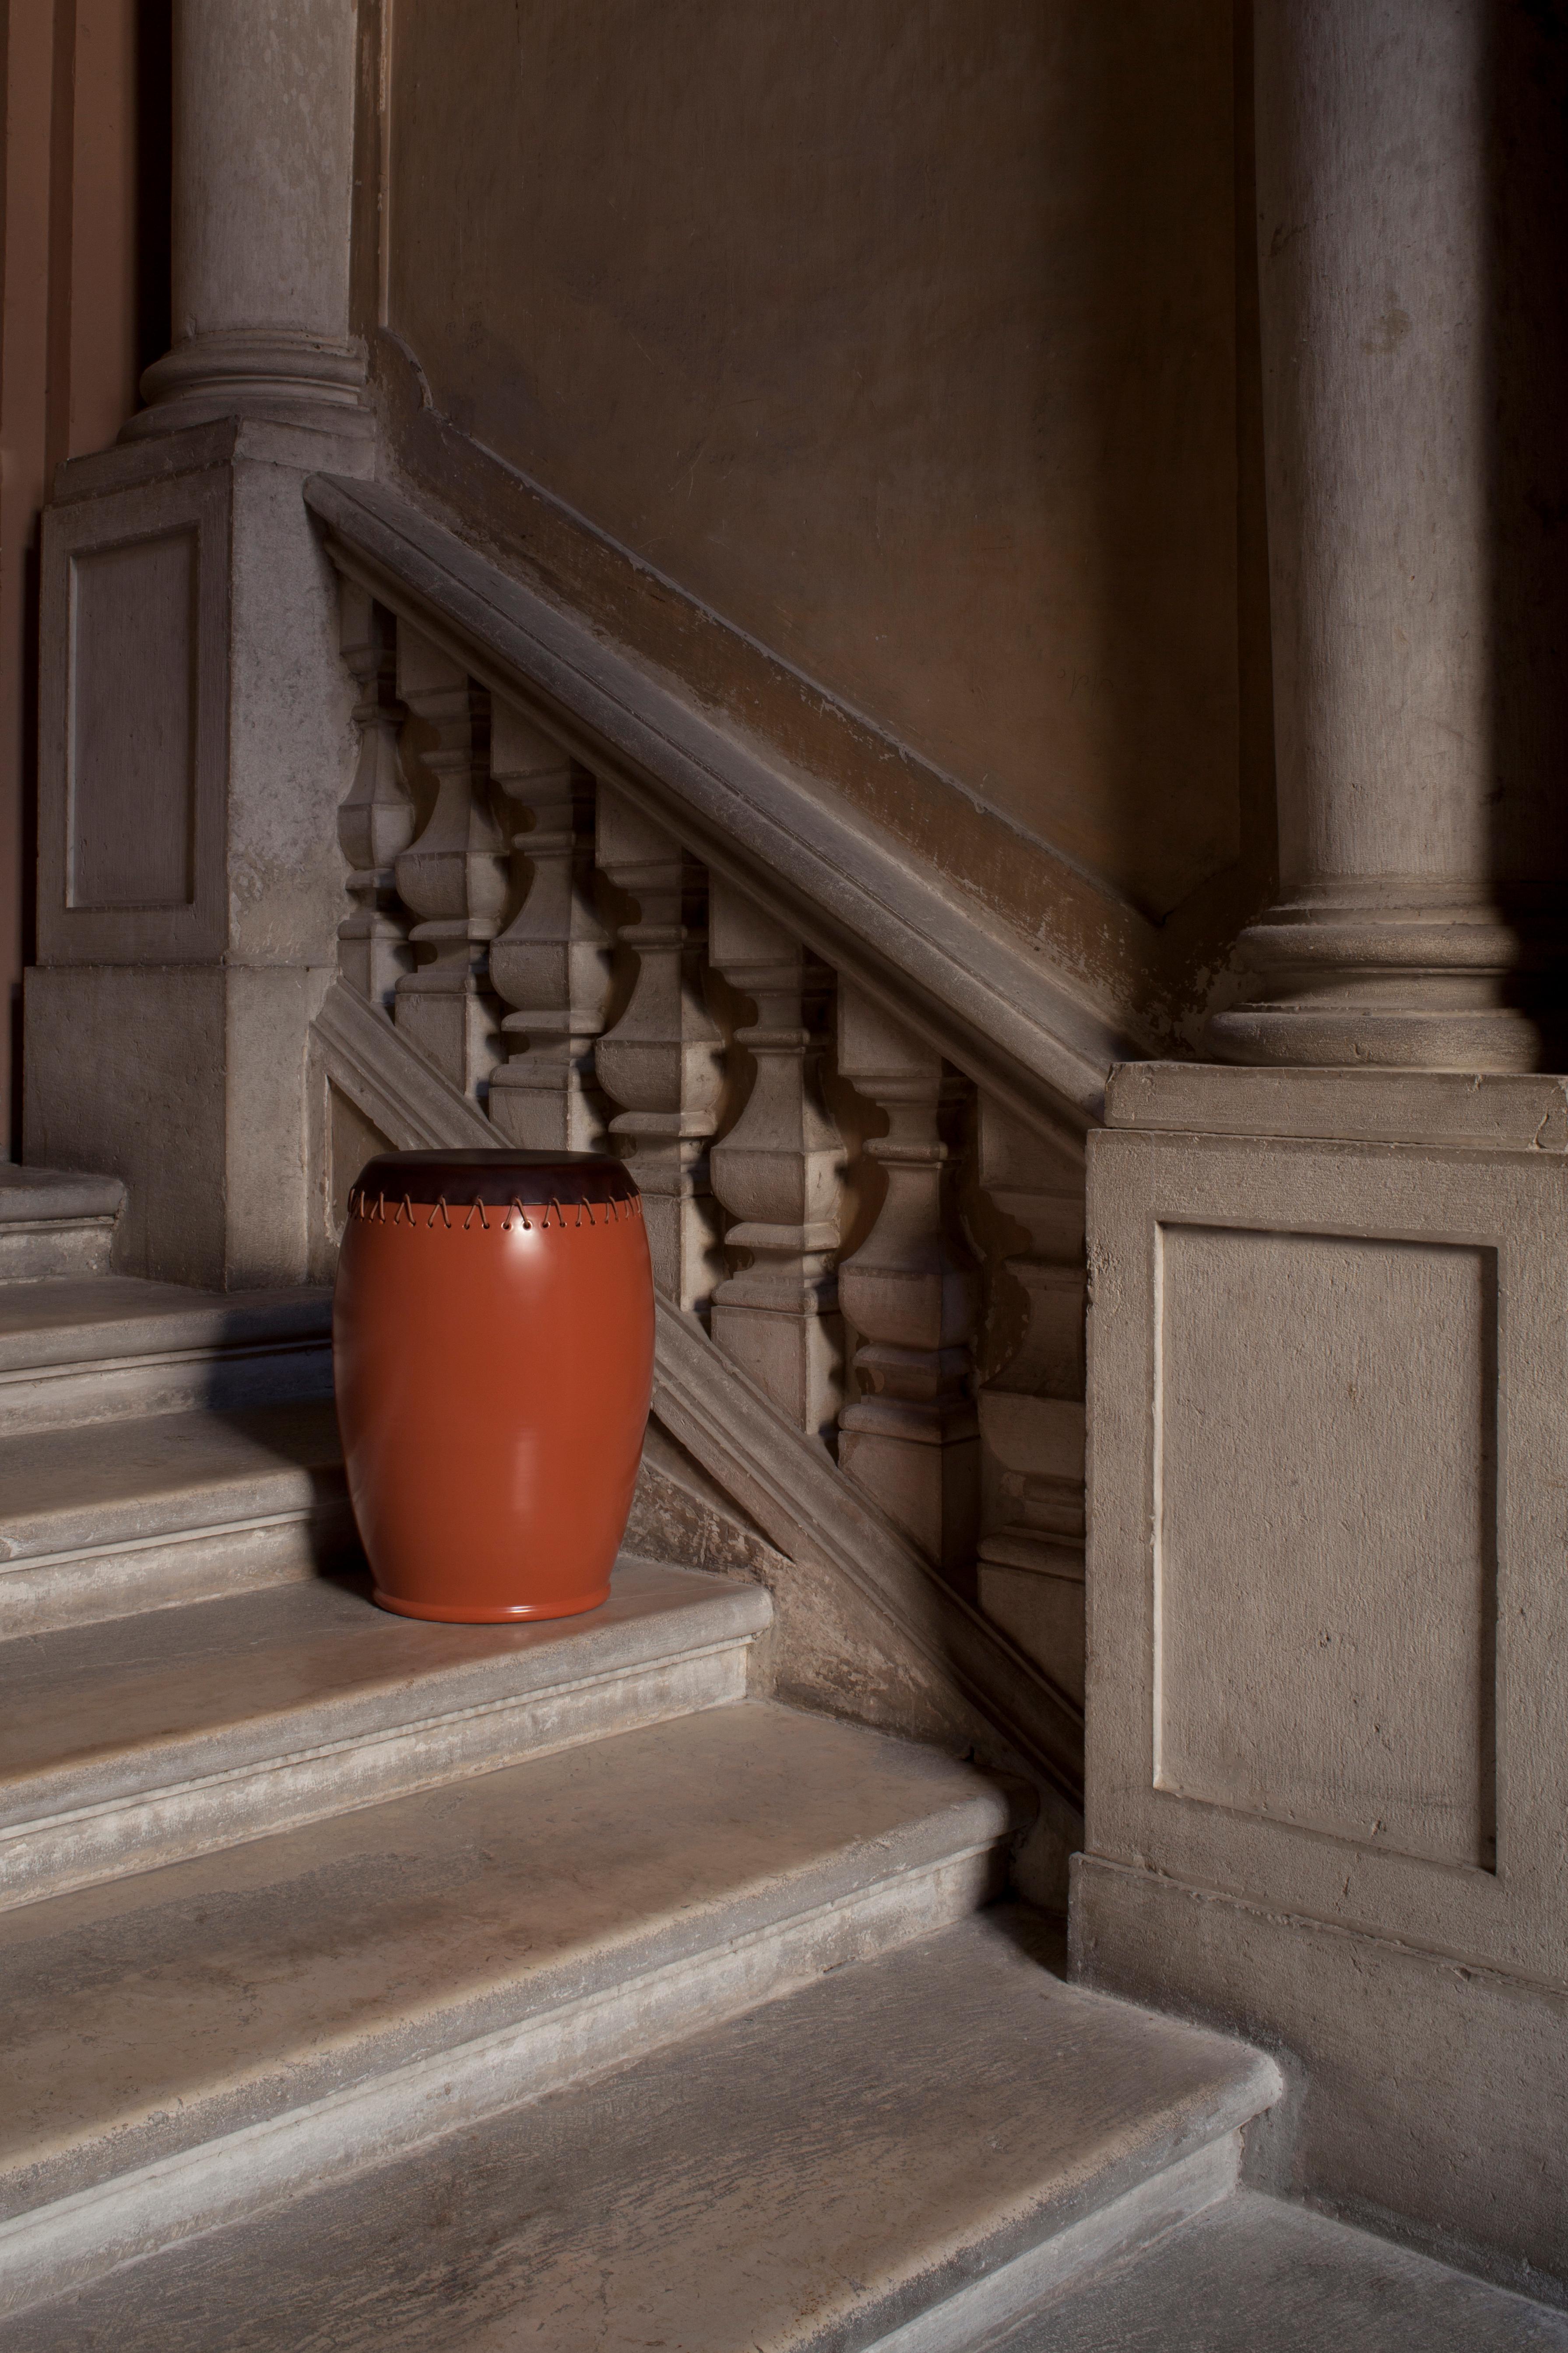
388 1974
1254 2274
97 1347
74 1322
56 1223
134 1743
102 1520
857 2158
69 1491
31 1195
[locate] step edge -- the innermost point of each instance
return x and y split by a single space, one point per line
304 2164
56 1221
834 1879
311 1505
1182 2129
1132 2223
172 1572
648 1692
101 1197
358 1739
31 1372
197 1299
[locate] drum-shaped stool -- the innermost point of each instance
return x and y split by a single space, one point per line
492 1344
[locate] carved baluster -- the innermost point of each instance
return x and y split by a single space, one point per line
912 1293
1031 1411
376 819
553 961
779 1172
663 1060
454 876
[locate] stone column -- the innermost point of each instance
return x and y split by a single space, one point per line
196 720
263 107
1417 923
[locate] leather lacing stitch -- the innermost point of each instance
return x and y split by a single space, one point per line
362 1205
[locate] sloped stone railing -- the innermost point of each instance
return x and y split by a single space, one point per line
581 914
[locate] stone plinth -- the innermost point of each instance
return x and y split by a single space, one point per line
196 733
1328 1727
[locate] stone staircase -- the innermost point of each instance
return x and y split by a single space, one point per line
368 1983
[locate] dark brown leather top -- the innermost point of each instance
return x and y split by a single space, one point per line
461 1177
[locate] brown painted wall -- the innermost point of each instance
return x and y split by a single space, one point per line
83 307
902 336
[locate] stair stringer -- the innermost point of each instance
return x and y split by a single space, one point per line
863 1627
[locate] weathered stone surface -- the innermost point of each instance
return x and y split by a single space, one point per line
680 1513
806 2177
1326 1729
140 1742
1427 2092
132 1514
55 1223
77 1351
1253 2275
414 1967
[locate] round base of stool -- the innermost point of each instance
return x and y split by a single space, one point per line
448 1614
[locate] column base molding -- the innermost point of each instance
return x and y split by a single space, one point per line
1400 976
272 372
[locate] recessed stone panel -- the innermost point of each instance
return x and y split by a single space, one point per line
131 742
134 719
1324 1555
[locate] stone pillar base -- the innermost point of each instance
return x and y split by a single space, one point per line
288 377
185 1081
196 737
1328 1728
1399 979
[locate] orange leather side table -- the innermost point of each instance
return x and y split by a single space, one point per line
492 1343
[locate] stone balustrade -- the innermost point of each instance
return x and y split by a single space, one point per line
805 1153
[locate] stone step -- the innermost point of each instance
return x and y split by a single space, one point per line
99 1349
1254 2274
421 1964
141 1741
103 1519
55 1222
855 2158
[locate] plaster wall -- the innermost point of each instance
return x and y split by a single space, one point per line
904 340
